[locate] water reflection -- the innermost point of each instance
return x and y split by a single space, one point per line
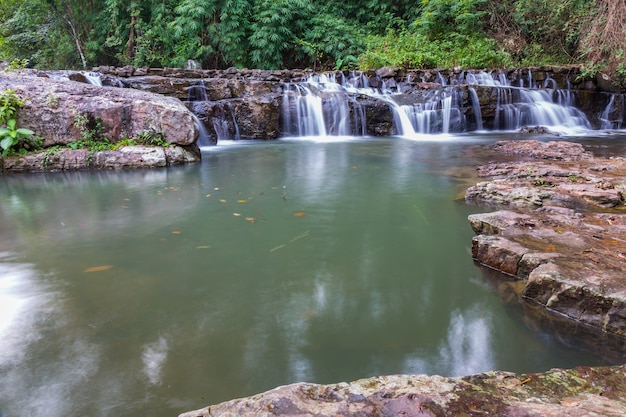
167 290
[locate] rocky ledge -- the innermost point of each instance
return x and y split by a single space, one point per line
52 108
558 393
564 232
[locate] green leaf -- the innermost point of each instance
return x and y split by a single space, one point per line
6 143
25 132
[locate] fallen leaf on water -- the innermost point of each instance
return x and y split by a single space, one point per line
250 219
208 195
202 247
298 214
237 214
242 201
176 232
98 268
222 200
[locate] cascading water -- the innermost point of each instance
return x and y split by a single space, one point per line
517 107
222 124
321 107
612 118
93 78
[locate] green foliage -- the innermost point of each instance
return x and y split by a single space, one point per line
13 138
275 29
17 139
410 50
90 127
441 17
272 34
10 103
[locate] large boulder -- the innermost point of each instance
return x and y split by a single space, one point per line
52 107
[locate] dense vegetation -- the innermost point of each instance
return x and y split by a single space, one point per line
314 34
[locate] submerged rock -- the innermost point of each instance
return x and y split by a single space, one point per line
556 393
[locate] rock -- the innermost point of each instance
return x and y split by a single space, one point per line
571 260
52 107
386 72
127 157
555 393
567 176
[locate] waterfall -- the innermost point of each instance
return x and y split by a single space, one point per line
322 107
197 92
221 122
613 115
93 78
476 108
204 139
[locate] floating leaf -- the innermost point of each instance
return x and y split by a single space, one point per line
237 214
242 201
208 195
202 247
176 232
298 214
98 268
222 200
250 219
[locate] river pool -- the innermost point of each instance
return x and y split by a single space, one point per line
154 292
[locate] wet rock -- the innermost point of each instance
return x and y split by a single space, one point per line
555 393
570 257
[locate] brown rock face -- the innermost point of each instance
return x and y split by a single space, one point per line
52 108
556 393
567 237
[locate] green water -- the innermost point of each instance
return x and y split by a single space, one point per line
157 292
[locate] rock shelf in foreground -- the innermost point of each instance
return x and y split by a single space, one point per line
556 393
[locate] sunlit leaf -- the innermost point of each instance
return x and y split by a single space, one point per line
237 214
176 232
242 201
250 219
298 214
98 268
222 200
208 195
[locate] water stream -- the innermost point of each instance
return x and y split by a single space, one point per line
156 292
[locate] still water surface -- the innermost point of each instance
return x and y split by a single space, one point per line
156 292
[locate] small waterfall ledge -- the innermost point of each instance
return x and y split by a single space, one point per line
255 104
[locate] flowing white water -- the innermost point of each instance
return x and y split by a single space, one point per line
614 113
326 106
204 139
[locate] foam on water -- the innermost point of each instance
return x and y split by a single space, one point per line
153 357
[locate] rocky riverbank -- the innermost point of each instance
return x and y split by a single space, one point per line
563 231
556 393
